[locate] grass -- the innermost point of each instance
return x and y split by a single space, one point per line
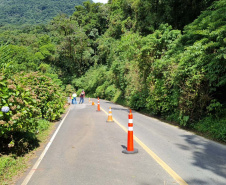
10 167
212 128
14 162
13 166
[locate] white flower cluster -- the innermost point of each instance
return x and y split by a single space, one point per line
5 109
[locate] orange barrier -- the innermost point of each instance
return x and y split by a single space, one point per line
110 119
130 149
98 105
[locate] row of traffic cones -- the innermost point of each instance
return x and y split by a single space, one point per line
130 147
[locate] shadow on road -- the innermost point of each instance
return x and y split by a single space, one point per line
124 147
121 109
207 155
127 110
110 102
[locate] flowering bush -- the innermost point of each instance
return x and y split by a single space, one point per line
30 97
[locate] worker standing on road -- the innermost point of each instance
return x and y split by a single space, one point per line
74 95
82 96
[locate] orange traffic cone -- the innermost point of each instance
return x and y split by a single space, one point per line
89 99
110 119
98 105
93 103
130 149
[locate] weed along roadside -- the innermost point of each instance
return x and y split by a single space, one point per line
15 161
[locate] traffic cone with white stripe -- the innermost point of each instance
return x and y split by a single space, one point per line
110 119
130 149
98 105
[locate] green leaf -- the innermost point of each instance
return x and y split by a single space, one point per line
5 96
2 83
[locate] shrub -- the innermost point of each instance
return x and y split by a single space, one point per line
22 106
110 92
93 78
117 96
69 89
42 125
212 127
138 100
30 96
100 91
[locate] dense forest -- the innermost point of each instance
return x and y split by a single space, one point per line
19 12
163 58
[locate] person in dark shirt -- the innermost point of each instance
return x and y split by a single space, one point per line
82 96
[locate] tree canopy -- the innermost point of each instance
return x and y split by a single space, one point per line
166 58
19 12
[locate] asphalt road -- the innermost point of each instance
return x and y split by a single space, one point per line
88 151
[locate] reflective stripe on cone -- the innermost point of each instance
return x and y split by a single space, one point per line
98 105
130 149
110 119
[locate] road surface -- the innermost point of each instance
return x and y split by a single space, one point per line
87 150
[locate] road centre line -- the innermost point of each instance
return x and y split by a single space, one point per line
34 168
153 155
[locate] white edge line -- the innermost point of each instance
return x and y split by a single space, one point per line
28 177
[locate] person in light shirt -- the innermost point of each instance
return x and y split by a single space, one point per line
74 95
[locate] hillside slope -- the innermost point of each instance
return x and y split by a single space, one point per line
33 11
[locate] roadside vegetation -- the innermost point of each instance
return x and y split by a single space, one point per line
175 74
163 58
13 165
